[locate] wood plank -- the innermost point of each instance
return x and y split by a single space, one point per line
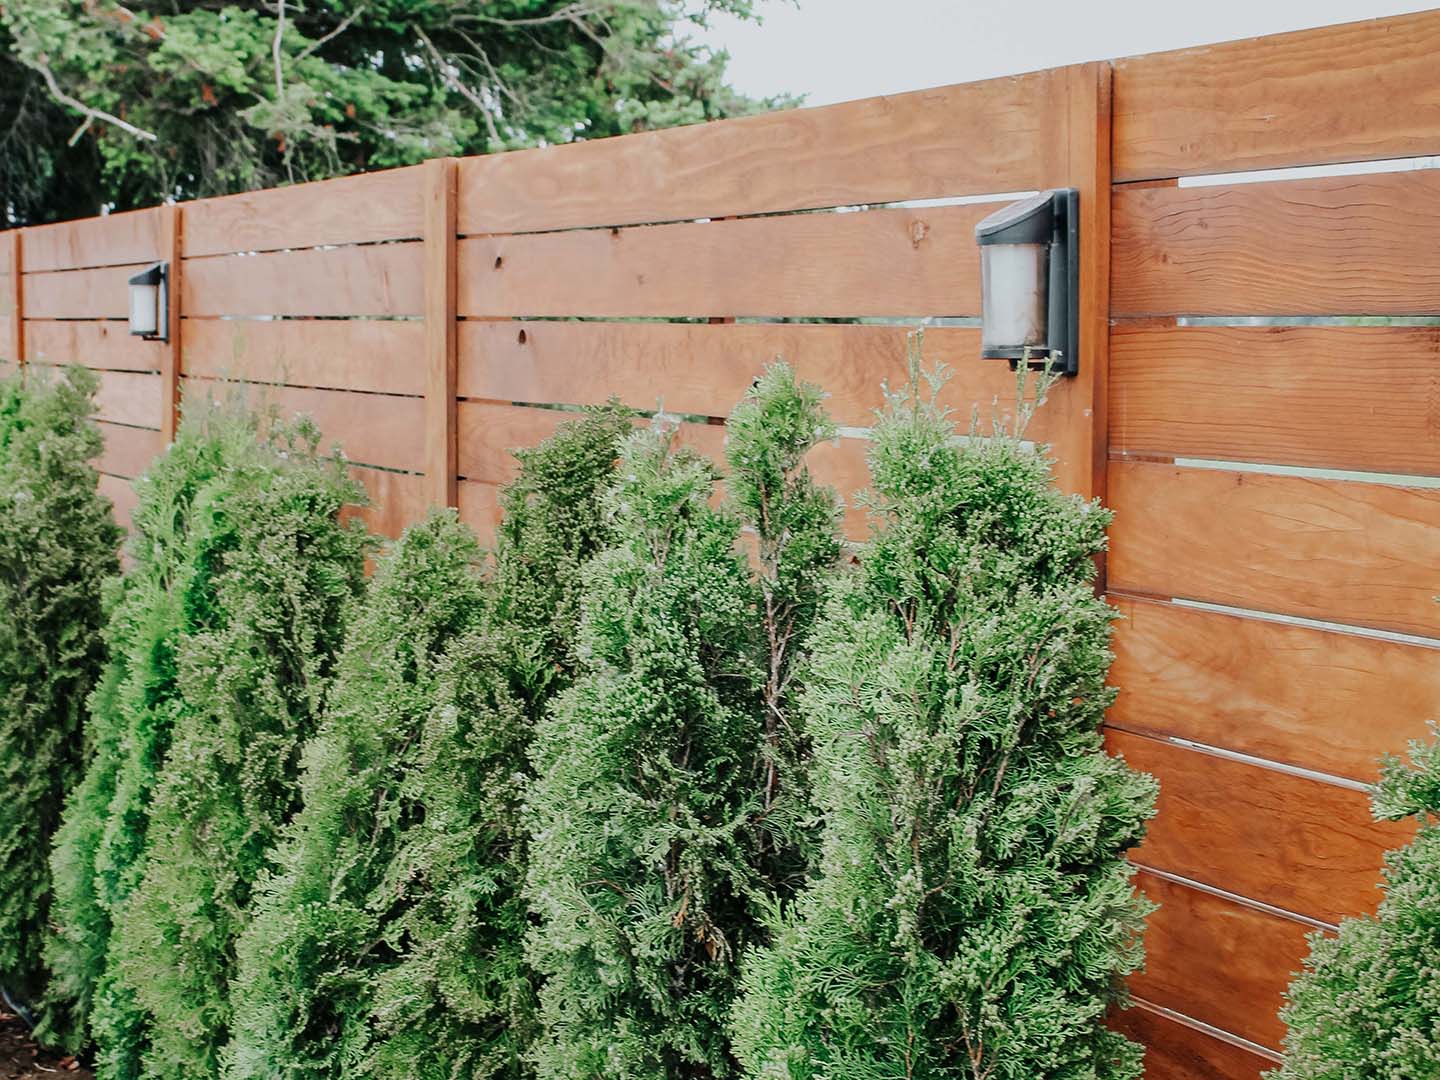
877 262
122 494
371 429
1354 92
1177 1051
1316 699
348 210
380 279
1364 398
397 501
101 293
109 240
171 359
12 298
1336 245
128 451
129 397
440 332
9 349
980 137
1357 553
376 355
106 345
480 508
1197 943
1285 840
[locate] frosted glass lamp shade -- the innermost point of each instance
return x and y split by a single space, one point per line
1015 286
149 314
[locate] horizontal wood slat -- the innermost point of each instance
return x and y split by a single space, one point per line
1298 844
1342 93
1197 943
111 240
348 210
101 343
380 279
1000 135
1337 245
122 493
1176 1051
1316 699
376 355
371 429
1363 398
128 397
128 451
7 332
479 507
99 293
397 501
878 262
1339 551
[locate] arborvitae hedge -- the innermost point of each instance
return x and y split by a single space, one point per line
58 544
389 944
973 916
1367 1006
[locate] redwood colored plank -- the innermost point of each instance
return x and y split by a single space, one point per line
7 336
1342 93
110 240
377 355
99 343
1197 943
1364 398
1176 1051
999 135
122 494
98 293
1340 551
378 279
128 397
480 508
441 357
128 451
876 262
370 429
1289 841
1317 699
397 501
1336 245
349 210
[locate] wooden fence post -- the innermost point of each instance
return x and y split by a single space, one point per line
15 347
441 463
171 249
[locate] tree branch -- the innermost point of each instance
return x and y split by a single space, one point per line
345 24
90 113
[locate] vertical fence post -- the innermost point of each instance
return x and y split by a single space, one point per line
441 450
15 347
171 249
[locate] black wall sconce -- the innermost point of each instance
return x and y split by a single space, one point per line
1030 282
150 303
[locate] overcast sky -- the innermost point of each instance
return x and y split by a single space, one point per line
836 50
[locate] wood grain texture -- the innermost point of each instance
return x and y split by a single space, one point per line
440 331
480 508
1294 843
876 262
1198 943
371 429
128 451
12 298
1337 245
9 331
397 500
1342 93
129 397
172 226
1364 398
349 210
1357 553
1176 1051
382 356
121 493
111 240
1316 699
980 137
381 279
104 344
100 293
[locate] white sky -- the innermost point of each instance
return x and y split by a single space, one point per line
836 50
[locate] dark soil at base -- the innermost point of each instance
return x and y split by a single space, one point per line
21 1059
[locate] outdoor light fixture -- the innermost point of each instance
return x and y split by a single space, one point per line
1030 281
150 303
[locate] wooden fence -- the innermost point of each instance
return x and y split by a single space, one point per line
1274 546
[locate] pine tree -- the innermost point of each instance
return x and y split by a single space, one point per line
1367 1005
58 544
973 915
389 942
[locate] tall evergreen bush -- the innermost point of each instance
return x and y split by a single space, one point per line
388 945
973 915
1367 1005
58 544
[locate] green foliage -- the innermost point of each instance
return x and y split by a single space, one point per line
973 915
250 94
1367 1005
58 543
389 944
